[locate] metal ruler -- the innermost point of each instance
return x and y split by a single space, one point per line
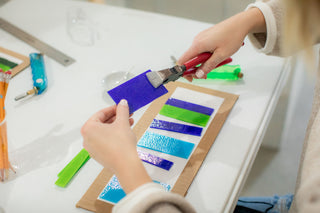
36 43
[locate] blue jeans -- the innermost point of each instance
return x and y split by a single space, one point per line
275 204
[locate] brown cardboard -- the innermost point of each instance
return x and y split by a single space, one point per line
25 61
89 200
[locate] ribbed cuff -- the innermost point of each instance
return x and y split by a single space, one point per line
138 197
269 40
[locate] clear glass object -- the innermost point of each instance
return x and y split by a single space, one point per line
113 80
79 27
6 169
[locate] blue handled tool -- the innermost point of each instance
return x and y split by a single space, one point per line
39 76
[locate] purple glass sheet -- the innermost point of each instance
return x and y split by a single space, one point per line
189 106
138 91
155 160
176 127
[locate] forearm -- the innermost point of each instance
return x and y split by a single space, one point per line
255 20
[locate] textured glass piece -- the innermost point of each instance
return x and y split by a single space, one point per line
176 127
165 144
155 160
167 187
184 115
113 192
138 91
189 106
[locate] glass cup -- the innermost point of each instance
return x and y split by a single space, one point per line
79 27
5 166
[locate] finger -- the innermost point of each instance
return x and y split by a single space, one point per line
192 52
216 58
111 120
104 114
188 77
123 112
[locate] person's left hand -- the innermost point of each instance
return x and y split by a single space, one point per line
108 137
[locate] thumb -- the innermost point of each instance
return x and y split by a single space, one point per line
123 112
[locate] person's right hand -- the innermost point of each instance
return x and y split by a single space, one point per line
223 40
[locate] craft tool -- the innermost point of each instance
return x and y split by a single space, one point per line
36 43
158 78
39 76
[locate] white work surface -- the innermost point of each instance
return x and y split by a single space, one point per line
44 131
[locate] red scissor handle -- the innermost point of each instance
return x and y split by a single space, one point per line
200 59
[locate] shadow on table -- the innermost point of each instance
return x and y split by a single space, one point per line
42 152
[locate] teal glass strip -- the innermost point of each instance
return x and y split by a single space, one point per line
166 145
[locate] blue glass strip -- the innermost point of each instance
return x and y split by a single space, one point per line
176 127
138 91
113 192
189 106
155 160
166 145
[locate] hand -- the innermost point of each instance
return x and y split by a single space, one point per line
223 40
108 138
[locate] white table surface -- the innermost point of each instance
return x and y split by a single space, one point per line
44 131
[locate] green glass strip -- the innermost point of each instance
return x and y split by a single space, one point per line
185 115
4 67
67 173
226 72
7 63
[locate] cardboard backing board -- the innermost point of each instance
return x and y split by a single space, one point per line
25 61
89 200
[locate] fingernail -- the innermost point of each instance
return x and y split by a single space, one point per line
199 74
123 102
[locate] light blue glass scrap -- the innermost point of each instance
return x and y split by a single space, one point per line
113 192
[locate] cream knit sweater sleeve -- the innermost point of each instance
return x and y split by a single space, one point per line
269 42
152 198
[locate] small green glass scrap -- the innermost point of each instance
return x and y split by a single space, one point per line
66 174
